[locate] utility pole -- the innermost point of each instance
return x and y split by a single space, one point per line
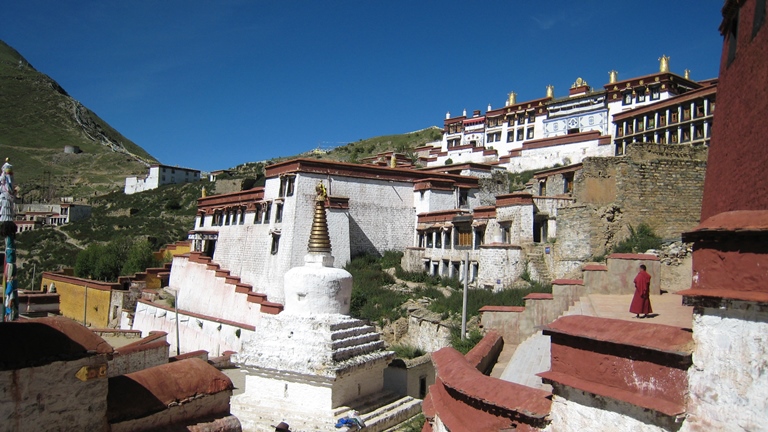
464 298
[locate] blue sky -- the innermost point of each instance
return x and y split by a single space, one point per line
213 84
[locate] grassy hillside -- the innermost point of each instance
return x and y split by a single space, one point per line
361 149
38 118
163 216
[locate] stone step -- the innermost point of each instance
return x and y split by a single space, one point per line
348 324
393 414
582 307
367 404
356 340
352 331
349 352
531 357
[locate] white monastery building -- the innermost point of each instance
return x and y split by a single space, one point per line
160 175
541 133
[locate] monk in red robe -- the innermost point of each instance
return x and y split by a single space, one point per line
641 302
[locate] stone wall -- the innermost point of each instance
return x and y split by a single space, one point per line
660 185
51 397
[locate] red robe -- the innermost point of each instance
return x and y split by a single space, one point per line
641 302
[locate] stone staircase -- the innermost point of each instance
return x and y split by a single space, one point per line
531 357
352 338
582 307
382 411
537 265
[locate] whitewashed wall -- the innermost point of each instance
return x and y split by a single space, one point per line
728 382
194 333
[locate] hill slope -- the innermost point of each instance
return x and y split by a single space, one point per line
38 119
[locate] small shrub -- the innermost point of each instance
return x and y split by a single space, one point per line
466 344
639 240
391 259
406 351
449 161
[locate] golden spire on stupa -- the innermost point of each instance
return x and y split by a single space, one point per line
319 240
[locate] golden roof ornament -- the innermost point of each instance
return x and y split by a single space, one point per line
687 74
613 76
319 240
511 98
550 91
579 82
203 192
664 63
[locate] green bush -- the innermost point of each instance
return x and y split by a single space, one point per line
639 240
391 259
477 298
465 345
370 300
406 351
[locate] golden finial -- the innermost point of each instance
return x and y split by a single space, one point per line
579 82
511 98
319 240
687 74
550 91
613 76
204 192
393 161
664 63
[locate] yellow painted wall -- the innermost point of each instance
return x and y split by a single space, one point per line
178 248
72 299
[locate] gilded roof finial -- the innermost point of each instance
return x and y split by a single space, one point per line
512 99
664 63
687 74
203 192
550 91
579 82
613 76
319 240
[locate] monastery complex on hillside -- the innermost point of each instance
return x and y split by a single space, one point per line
260 284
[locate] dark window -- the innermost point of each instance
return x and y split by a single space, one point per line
520 134
655 93
641 95
267 211
759 16
568 183
422 387
463 197
732 36
626 98
529 134
275 244
259 213
242 215
279 213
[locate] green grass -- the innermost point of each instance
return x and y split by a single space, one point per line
639 240
37 119
406 351
466 344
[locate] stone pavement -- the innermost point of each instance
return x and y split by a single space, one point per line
533 355
667 309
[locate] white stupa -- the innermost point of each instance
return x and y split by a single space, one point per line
308 362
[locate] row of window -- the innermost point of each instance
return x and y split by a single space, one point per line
663 118
640 94
465 238
519 119
237 216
